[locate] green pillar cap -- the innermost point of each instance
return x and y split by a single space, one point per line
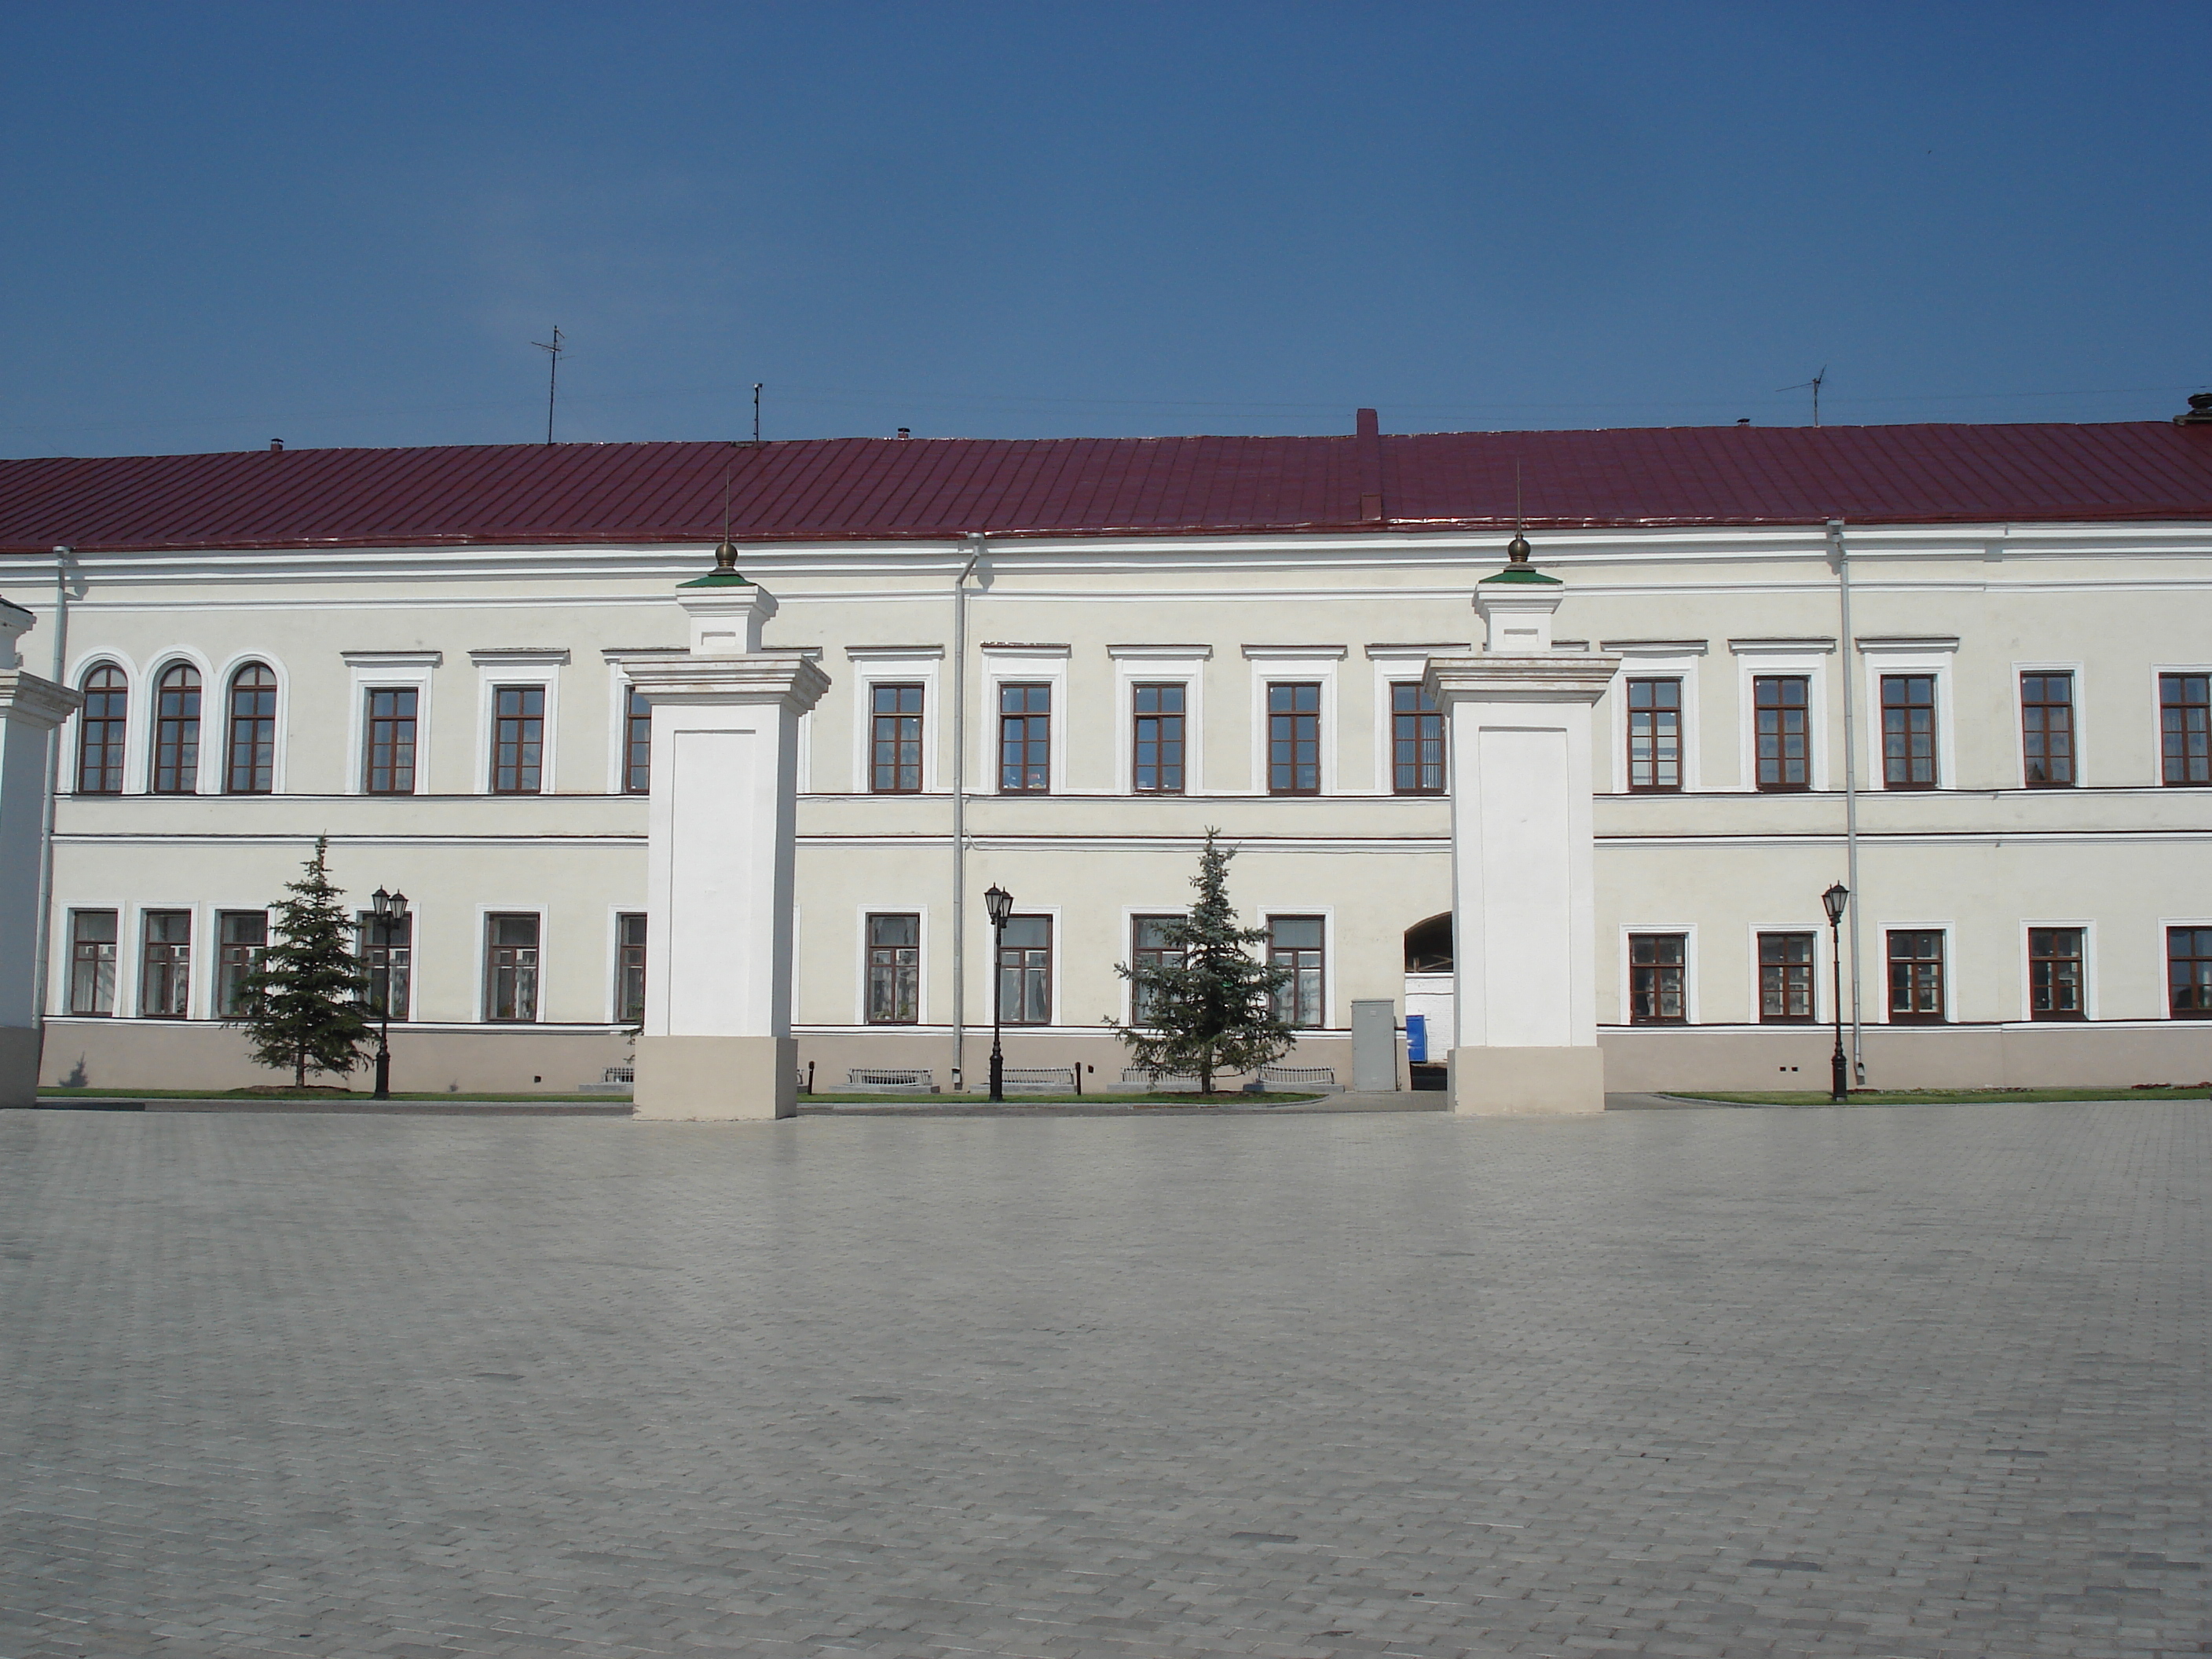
725 573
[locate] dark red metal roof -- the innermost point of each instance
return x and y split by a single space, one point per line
867 489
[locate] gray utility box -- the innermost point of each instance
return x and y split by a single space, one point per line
1375 1044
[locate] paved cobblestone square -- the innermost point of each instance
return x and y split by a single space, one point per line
1915 1382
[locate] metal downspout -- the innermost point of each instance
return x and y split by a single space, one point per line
62 559
960 808
1849 649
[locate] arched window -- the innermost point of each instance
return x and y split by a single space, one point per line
250 766
100 731
177 730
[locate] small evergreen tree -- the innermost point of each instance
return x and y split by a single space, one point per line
1213 1010
304 1006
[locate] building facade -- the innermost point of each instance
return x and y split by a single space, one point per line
1053 667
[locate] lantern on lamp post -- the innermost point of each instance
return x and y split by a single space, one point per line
1000 904
1833 901
390 909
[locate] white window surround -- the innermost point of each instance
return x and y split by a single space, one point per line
1024 664
1160 665
1129 915
484 912
387 671
510 667
2162 974
135 717
2157 779
1658 659
198 979
1905 654
1284 664
2079 671
1692 1008
1824 985
618 684
988 957
1397 664
612 978
138 736
275 664
1874 974
900 664
2088 967
1330 972
898 908
1759 659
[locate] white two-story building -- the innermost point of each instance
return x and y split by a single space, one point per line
1967 669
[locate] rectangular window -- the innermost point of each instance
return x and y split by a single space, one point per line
894 969
1024 739
511 968
1025 971
1916 978
1781 731
2046 729
391 758
177 732
630 968
165 981
1156 739
895 739
637 743
387 956
1416 741
240 938
1656 963
1787 963
1294 740
517 739
2054 974
2188 972
1655 734
1908 730
1295 943
92 962
2184 718
99 732
1149 948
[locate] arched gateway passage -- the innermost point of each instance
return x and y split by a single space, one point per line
1429 993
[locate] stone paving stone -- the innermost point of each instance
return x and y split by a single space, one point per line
920 1388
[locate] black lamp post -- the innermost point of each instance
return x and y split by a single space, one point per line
1835 899
1000 905
391 909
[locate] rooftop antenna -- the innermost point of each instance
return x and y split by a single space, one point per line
757 392
1815 384
725 554
1516 551
552 377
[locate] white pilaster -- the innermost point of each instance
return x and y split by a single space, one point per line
1524 950
30 708
717 1039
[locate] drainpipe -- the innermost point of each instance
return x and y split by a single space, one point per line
64 558
976 545
1848 650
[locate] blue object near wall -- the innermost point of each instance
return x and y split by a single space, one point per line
1417 1039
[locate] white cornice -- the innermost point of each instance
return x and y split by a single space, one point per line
1873 642
1295 653
393 659
1783 646
893 652
1441 648
1164 653
520 656
1655 648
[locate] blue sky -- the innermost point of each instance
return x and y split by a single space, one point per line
345 224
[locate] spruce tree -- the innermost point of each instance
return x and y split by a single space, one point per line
305 1006
1213 1010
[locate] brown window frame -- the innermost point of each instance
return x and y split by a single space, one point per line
2046 963
1649 980
1417 759
385 970
390 739
1293 1003
1161 733
1643 725
103 730
899 729
250 731
2184 730
1291 732
518 740
1781 763
1031 965
637 742
1028 730
2198 977
92 991
236 958
1924 970
1896 768
2046 723
1142 956
1778 981
894 966
525 974
176 698
630 967
166 964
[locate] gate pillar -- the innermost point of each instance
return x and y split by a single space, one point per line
717 1041
1524 956
30 709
